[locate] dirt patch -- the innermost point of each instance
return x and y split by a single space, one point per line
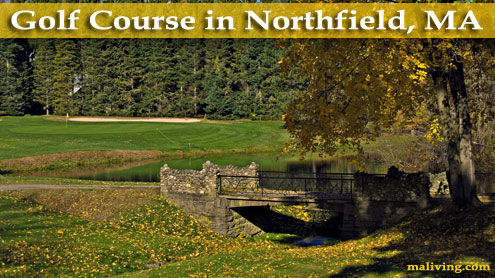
150 120
70 160
92 204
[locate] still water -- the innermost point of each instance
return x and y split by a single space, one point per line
149 171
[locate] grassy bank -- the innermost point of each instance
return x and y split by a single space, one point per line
63 181
94 233
89 233
79 159
35 143
438 236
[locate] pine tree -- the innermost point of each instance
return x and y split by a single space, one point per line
107 79
260 92
44 68
93 62
218 78
275 91
66 76
190 73
221 78
160 79
15 77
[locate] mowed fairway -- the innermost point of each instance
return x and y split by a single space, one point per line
29 136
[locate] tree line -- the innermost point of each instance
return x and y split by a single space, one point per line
214 78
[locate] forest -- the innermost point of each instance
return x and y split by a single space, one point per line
213 79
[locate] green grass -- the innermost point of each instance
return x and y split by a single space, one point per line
34 135
100 233
439 235
107 232
64 181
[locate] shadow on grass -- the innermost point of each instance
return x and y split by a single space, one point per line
271 221
436 236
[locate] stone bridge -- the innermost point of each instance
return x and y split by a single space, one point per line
235 201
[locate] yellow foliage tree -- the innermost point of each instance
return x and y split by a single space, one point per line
358 87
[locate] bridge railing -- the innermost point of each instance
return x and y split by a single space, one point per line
286 185
306 174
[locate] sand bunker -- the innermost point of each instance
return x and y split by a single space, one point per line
151 120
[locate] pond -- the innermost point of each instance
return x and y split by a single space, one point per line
148 171
269 162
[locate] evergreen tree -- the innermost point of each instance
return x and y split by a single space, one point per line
250 72
43 71
160 79
66 77
190 73
112 79
94 63
274 91
218 78
15 77
261 91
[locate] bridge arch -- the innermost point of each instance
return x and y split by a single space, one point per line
234 200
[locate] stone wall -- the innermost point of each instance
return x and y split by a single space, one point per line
383 200
202 182
196 193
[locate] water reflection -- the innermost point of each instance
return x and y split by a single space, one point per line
148 171
346 164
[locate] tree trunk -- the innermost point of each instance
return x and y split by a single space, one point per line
448 122
465 191
47 105
456 123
